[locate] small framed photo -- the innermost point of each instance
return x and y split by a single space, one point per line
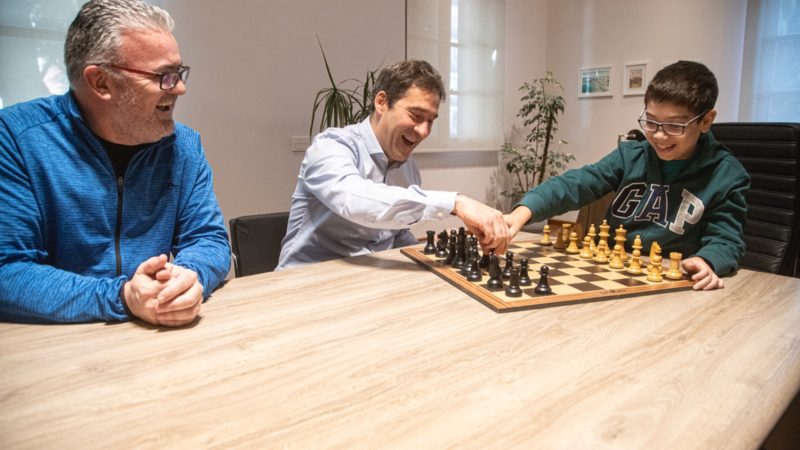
634 79
595 82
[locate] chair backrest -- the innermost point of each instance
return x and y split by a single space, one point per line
771 154
256 242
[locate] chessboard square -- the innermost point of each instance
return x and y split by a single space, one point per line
574 271
612 275
582 263
524 245
584 287
565 279
559 265
562 257
595 268
590 277
609 284
630 282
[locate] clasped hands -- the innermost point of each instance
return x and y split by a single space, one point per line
163 293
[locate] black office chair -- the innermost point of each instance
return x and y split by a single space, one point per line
771 154
256 242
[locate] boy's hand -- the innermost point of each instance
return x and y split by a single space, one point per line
703 276
516 219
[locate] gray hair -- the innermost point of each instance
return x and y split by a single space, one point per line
95 34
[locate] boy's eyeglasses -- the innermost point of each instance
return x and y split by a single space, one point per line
166 80
672 129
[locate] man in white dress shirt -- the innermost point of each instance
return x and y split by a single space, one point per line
359 191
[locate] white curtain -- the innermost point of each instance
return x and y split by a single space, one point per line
771 86
464 40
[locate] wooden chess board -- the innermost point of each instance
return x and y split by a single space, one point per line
572 279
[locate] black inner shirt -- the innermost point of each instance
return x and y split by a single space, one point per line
120 155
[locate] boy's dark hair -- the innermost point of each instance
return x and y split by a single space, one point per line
684 83
398 77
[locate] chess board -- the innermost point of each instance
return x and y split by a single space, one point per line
572 279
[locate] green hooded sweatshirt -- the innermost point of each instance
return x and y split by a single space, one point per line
699 210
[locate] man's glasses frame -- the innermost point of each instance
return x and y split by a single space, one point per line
669 128
166 80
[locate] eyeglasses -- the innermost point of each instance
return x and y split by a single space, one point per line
167 80
672 129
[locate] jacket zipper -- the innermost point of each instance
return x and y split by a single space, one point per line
118 232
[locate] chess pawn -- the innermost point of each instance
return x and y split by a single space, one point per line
616 260
451 250
546 236
484 262
635 266
654 273
559 244
674 272
573 243
513 289
429 247
475 274
586 251
543 288
566 229
524 278
601 257
592 242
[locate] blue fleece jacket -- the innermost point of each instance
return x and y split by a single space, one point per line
71 233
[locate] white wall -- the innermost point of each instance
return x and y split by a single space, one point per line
256 67
586 33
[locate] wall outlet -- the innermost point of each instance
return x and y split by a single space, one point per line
300 143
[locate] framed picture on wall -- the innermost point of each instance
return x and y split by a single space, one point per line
595 82
634 79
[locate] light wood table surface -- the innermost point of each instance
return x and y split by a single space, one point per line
376 352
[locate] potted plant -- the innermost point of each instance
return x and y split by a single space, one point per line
536 158
342 105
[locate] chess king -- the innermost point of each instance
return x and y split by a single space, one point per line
680 187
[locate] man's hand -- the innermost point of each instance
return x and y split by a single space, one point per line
703 276
162 293
516 219
141 291
180 301
484 222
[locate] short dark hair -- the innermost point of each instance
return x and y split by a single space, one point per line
684 83
397 78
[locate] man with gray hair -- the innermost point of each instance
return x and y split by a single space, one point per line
100 184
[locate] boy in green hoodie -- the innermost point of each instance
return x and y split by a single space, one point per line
679 188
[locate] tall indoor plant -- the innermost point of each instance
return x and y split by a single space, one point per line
530 163
343 103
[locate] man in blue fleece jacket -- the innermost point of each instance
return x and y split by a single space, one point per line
99 185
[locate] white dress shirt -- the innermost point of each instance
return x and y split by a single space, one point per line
349 201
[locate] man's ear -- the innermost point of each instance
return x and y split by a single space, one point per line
708 119
381 103
98 81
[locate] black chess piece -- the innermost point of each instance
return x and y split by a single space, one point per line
524 278
451 249
429 247
441 245
484 262
466 268
543 288
509 264
495 282
513 289
475 274
461 251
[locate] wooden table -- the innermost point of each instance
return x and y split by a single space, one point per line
377 352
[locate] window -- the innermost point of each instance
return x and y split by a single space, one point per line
32 48
464 40
774 88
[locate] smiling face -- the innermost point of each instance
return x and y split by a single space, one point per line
674 148
142 112
401 127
